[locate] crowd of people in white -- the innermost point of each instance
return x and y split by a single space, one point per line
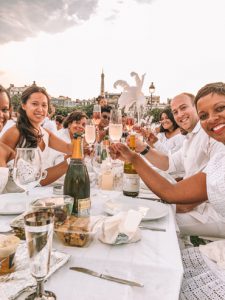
190 142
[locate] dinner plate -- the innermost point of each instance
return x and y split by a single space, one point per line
12 203
151 210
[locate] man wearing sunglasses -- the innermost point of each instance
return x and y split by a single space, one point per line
103 126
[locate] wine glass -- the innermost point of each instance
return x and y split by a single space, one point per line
90 133
96 117
130 120
115 125
39 232
27 169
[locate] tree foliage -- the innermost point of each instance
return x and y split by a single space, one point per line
64 111
15 102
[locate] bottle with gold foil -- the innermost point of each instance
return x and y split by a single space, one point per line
131 180
77 183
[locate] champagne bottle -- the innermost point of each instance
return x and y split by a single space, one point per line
131 180
77 183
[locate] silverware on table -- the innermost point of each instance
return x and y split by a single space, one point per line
107 277
148 198
152 228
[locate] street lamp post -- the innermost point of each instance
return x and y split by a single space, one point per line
151 91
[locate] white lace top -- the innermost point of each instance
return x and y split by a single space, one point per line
202 279
215 180
11 187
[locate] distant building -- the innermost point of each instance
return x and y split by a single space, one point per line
17 91
63 101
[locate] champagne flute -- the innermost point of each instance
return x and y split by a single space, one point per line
90 137
96 117
130 120
90 133
27 169
115 125
39 232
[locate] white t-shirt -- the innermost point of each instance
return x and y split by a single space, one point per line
50 125
171 145
198 148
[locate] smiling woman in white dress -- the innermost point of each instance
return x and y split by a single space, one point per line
28 133
169 139
206 186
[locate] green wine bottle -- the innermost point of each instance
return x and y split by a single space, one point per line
131 180
77 183
105 148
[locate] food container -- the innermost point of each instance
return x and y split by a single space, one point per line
77 231
17 225
61 206
8 246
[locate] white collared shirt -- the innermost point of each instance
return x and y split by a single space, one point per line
198 148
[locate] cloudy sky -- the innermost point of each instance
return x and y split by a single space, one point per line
64 44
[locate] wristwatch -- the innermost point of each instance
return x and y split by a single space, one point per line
145 151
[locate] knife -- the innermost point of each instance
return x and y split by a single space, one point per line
107 277
152 228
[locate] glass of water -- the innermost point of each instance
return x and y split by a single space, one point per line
39 232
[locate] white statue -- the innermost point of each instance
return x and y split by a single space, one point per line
131 94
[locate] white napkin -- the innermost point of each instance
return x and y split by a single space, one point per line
215 251
121 228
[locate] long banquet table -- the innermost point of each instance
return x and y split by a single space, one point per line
154 261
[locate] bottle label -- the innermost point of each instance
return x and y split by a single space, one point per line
131 182
83 205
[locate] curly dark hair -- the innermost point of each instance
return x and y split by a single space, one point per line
74 116
169 114
210 88
29 136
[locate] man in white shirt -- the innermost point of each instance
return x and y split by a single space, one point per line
198 148
5 155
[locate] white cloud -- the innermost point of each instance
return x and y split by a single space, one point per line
179 44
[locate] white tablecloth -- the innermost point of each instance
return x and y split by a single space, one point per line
155 261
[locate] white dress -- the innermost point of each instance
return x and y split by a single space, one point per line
202 280
11 187
171 145
208 219
4 174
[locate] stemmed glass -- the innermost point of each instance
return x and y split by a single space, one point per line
39 232
90 133
96 117
115 125
130 120
27 169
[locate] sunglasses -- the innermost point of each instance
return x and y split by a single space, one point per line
105 117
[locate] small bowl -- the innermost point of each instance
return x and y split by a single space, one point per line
8 246
77 232
61 206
